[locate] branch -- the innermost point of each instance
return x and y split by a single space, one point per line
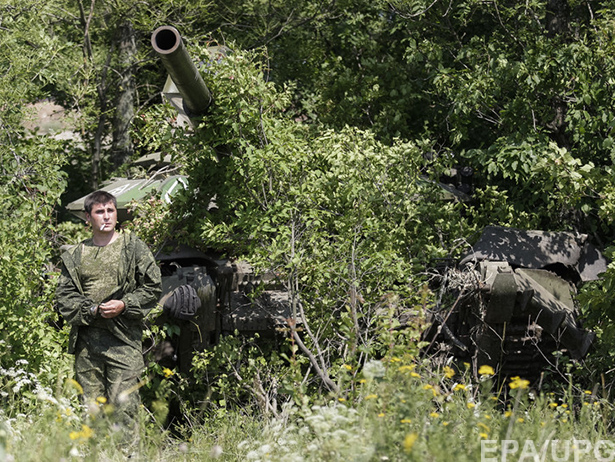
320 372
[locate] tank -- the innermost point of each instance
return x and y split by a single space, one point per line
204 296
509 302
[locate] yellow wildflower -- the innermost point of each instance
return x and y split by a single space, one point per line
395 359
445 424
471 405
449 372
483 435
486 370
520 420
381 414
553 405
507 413
101 400
348 367
518 382
459 386
76 385
85 433
372 396
487 416
341 400
362 381
434 415
167 372
405 421
407 368
483 426
409 441
587 392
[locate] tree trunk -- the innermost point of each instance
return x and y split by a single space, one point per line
122 147
557 23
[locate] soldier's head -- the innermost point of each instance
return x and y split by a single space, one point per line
98 197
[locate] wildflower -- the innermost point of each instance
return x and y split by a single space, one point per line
348 367
518 382
76 385
407 368
507 414
372 396
362 381
587 392
381 414
167 372
430 387
85 433
341 400
395 359
101 400
486 370
483 435
553 405
373 369
459 386
405 421
409 441
449 372
487 416
434 415
414 374
564 405
445 424
470 405
520 420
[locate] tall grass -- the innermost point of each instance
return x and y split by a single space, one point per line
395 410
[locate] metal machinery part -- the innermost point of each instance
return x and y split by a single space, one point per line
511 301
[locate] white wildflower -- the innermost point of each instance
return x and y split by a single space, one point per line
373 369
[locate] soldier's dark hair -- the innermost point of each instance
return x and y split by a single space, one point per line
98 197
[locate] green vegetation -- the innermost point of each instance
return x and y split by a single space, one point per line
331 125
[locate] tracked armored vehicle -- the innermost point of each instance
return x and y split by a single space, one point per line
509 303
203 295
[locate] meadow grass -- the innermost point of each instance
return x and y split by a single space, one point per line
392 410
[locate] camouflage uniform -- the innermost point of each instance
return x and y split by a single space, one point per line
108 356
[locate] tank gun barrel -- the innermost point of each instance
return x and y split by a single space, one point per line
168 44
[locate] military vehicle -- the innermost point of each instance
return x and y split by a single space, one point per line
204 295
509 303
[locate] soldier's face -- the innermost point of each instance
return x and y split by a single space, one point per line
103 217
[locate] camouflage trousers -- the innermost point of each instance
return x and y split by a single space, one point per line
108 368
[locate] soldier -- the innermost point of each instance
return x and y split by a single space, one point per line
108 284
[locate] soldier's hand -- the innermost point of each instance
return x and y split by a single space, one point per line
111 308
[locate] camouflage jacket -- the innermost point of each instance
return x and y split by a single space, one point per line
139 290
